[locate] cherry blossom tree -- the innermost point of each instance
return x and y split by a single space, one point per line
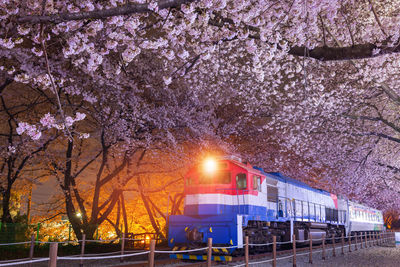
19 154
319 76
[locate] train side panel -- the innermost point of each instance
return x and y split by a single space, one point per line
364 219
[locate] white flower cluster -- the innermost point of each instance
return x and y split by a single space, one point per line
48 121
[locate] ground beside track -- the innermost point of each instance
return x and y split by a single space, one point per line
377 256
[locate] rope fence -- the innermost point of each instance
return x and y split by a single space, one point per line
366 240
24 262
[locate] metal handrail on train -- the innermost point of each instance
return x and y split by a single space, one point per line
341 217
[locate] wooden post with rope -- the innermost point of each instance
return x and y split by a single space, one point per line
123 247
32 248
349 243
294 250
82 249
366 244
274 250
209 252
151 254
53 254
356 245
342 244
246 251
310 254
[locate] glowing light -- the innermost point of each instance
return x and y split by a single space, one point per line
147 237
210 166
78 215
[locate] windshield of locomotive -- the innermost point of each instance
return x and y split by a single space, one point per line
201 178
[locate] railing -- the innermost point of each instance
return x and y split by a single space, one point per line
318 215
315 212
370 240
366 240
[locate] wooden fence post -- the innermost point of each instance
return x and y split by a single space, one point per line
122 247
32 248
371 243
151 254
369 239
246 250
366 244
356 245
274 250
323 247
373 239
333 245
53 255
342 244
310 255
294 250
209 252
83 249
350 242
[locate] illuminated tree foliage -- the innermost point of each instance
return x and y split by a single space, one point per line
316 78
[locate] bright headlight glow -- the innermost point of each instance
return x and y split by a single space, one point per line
210 166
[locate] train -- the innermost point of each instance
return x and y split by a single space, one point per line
227 199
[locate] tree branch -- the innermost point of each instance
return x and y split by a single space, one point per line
322 53
388 137
376 17
127 9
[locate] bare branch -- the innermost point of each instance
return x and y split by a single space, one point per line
376 17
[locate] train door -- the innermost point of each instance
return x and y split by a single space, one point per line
271 197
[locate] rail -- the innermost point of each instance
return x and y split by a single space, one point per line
366 240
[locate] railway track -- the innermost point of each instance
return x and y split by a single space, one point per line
282 252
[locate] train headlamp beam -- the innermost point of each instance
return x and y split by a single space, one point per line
210 166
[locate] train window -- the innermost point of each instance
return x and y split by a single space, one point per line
272 193
205 179
222 165
223 178
257 183
189 181
241 181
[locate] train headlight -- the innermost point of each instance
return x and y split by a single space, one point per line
210 166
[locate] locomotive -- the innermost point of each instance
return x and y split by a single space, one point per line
226 200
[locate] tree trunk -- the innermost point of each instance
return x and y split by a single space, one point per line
29 205
124 213
151 217
117 229
6 217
